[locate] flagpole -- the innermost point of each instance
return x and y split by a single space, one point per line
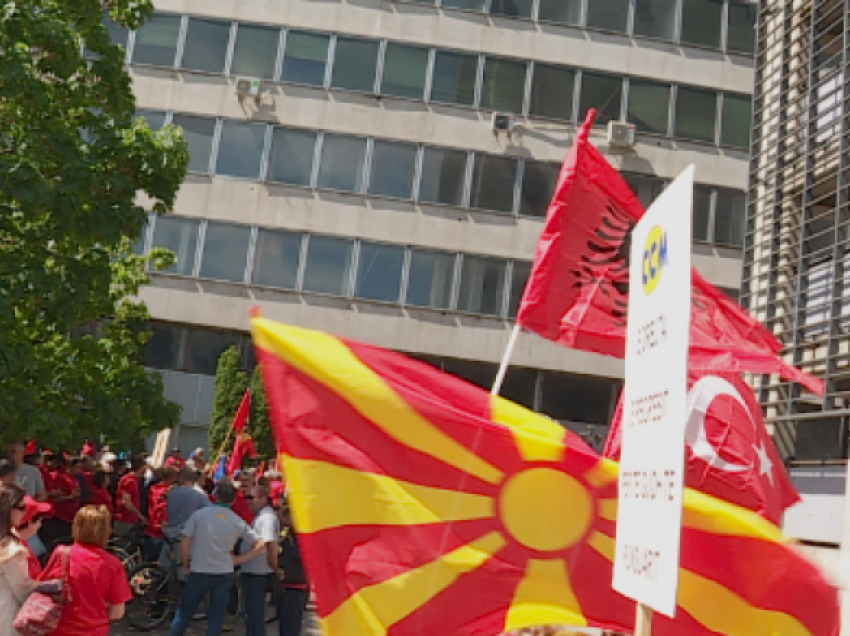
506 361
643 620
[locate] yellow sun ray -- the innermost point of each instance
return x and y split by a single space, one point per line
538 438
328 361
602 473
374 609
544 597
608 509
341 496
603 544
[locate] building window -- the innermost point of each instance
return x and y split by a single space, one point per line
512 8
225 253
656 19
306 58
472 5
405 68
729 217
255 51
701 22
429 282
538 185
379 272
341 167
649 106
206 43
276 258
577 398
741 27
696 113
355 62
291 157
181 237
240 150
205 348
604 93
328 264
504 85
552 90
520 386
560 11
165 348
647 188
482 285
117 33
154 118
156 41
702 213
393 165
443 176
493 181
519 278
454 78
737 119
198 133
610 15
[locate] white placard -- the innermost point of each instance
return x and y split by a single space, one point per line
646 567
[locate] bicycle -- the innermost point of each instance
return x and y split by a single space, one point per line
128 549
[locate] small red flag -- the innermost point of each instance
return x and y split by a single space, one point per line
244 447
242 412
577 294
730 453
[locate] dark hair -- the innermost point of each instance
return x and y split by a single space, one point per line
226 491
11 497
60 460
76 461
99 478
7 466
136 462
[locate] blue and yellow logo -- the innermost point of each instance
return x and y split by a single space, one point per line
654 258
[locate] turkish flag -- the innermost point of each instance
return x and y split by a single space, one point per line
577 293
730 454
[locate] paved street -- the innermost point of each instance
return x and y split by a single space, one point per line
198 628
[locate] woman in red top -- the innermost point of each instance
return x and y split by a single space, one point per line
28 527
99 495
99 588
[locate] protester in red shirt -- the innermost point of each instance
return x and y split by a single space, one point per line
88 449
98 583
128 499
28 527
100 492
64 495
158 513
176 460
240 504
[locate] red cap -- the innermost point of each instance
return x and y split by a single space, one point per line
32 447
34 509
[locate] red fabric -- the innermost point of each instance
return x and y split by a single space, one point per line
157 510
730 453
33 565
98 580
89 449
61 481
577 293
277 490
177 462
101 497
129 484
240 507
242 412
31 448
244 447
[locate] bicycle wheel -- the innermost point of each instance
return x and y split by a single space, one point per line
130 560
153 596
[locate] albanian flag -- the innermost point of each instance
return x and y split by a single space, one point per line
426 506
577 293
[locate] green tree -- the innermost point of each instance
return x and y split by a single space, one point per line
260 421
77 175
230 384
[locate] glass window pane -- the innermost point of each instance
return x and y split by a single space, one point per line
181 237
577 398
656 18
702 213
513 8
405 68
379 272
255 51
560 11
649 106
276 258
240 149
225 251
327 266
429 283
493 180
696 113
504 85
341 167
156 41
729 218
393 165
741 31
701 22
206 45
443 176
481 374
520 386
454 78
164 350
647 188
154 118
117 33
737 120
538 185
205 348
611 15
522 270
473 5
198 133
482 285
604 93
291 158
355 62
552 92
305 58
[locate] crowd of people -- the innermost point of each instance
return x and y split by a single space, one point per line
234 530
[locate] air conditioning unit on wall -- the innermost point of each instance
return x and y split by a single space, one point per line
247 86
503 122
621 134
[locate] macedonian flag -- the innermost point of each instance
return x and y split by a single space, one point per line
425 506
